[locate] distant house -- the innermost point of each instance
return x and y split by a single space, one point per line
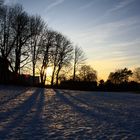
26 79
4 71
6 76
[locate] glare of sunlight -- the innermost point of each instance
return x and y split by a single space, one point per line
49 71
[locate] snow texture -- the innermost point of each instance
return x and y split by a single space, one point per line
39 114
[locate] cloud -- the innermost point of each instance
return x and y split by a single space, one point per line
104 49
104 32
115 56
121 5
10 1
86 6
54 4
6 1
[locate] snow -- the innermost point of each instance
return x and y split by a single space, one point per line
37 113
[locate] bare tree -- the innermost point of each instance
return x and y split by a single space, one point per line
55 54
87 73
61 55
7 40
79 58
21 34
24 40
1 2
5 33
13 22
1 6
64 55
46 43
136 74
36 29
120 76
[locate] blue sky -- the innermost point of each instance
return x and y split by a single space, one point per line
107 30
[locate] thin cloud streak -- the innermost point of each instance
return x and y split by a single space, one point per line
6 1
10 1
54 4
121 5
105 31
86 6
108 12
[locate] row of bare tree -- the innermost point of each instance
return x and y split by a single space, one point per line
26 41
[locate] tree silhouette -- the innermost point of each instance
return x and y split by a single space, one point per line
7 40
64 55
46 43
25 40
36 29
87 74
79 58
101 83
1 8
120 76
1 2
55 54
6 35
20 26
136 74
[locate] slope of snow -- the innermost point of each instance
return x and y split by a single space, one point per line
37 113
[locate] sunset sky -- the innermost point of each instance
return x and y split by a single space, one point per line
107 30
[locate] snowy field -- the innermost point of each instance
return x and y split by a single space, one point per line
44 114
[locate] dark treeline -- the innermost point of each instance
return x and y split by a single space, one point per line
29 46
120 80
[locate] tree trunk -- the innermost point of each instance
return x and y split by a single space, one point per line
33 73
52 79
34 62
43 75
57 76
74 71
17 62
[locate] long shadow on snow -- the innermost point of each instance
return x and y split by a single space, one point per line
5 115
75 107
100 117
35 125
103 116
98 104
13 97
21 112
95 106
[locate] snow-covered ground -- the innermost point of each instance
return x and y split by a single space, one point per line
37 113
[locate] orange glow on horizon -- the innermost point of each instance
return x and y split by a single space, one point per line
49 71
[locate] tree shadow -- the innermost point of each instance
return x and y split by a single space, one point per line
100 106
35 124
74 106
22 107
102 114
15 95
23 112
76 98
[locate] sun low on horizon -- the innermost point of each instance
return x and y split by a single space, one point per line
107 30
49 72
